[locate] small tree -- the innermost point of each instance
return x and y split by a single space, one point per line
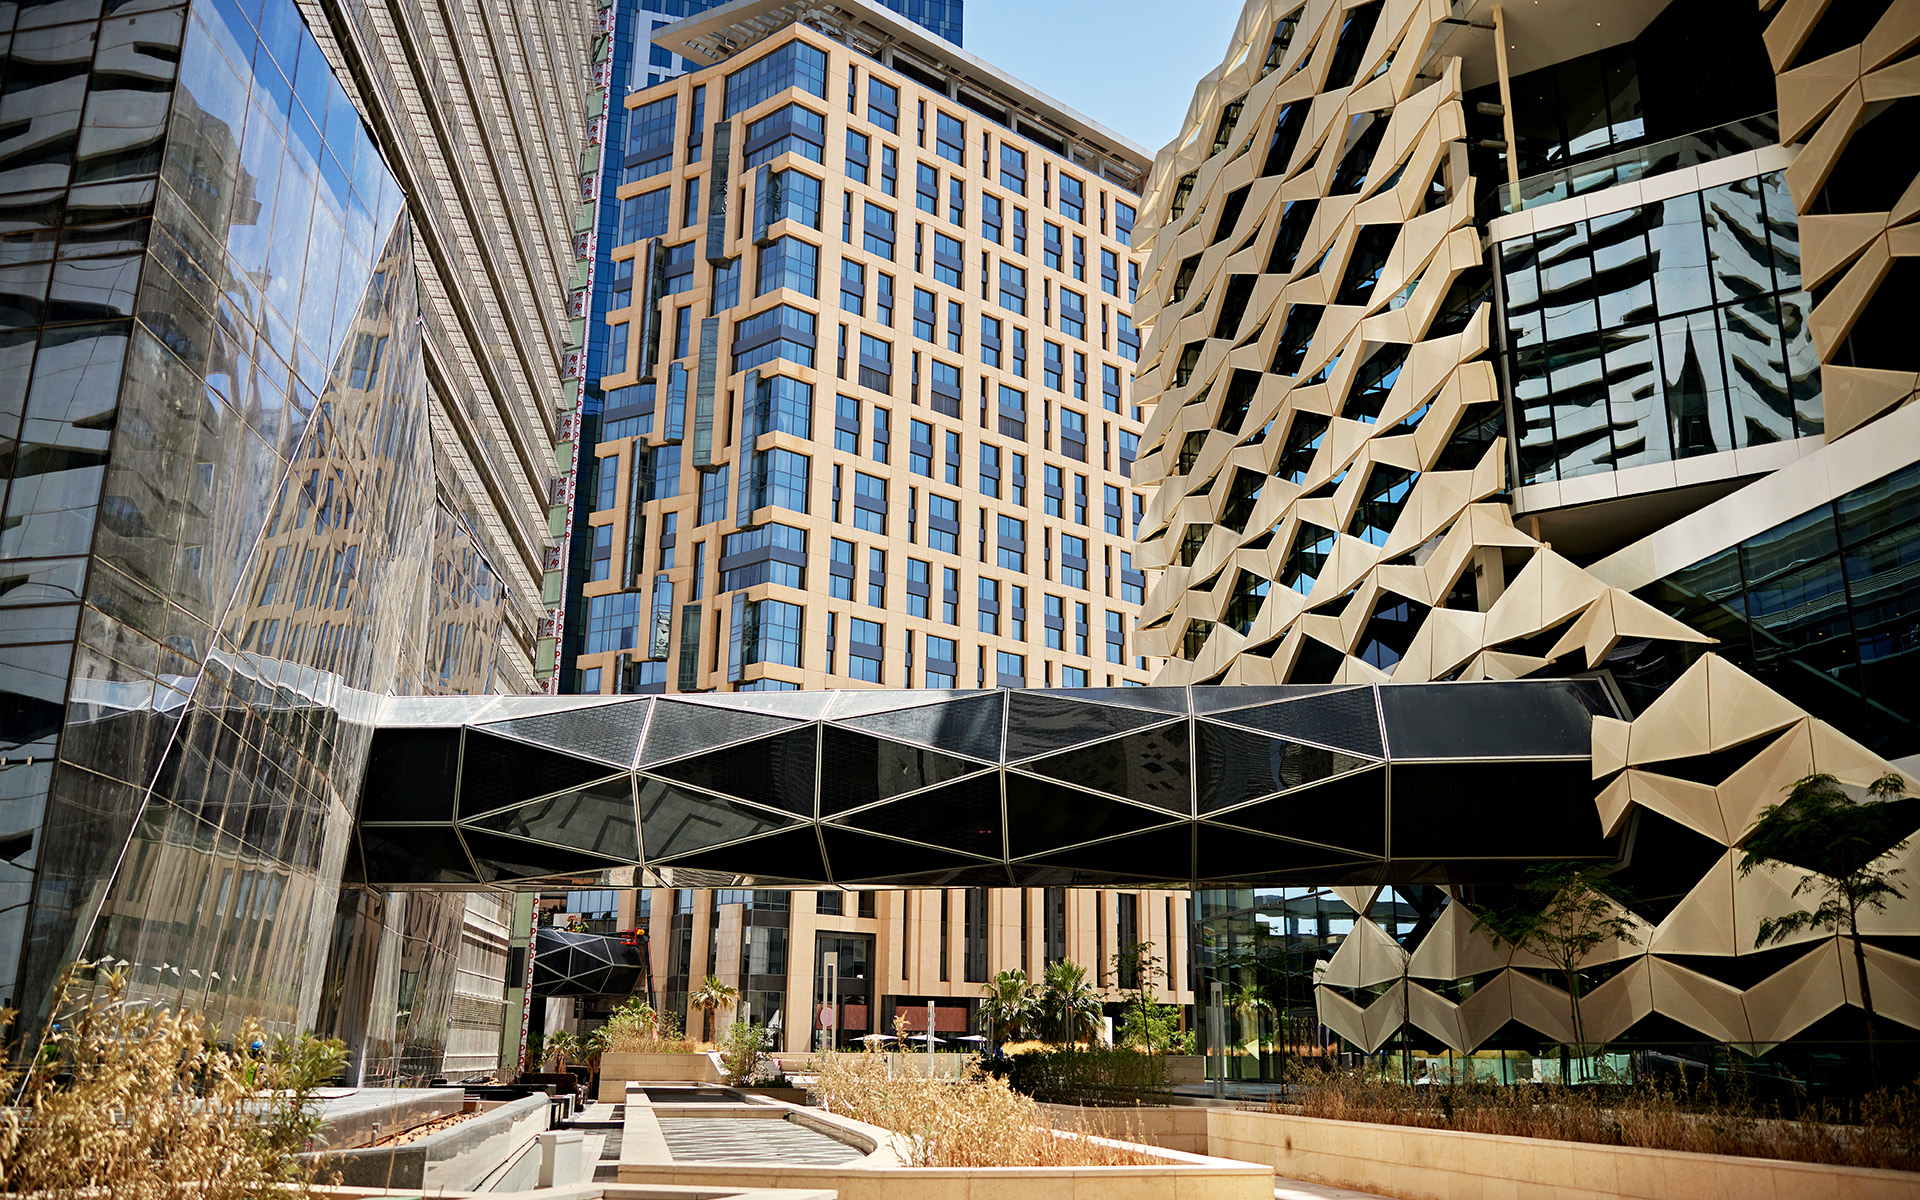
1009 1004
1248 1001
1141 1018
712 994
1842 850
1068 1002
562 1047
1562 913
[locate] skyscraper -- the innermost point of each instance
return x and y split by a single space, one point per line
281 345
1494 344
865 420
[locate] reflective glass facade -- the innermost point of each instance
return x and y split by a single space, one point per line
1824 609
222 514
1659 332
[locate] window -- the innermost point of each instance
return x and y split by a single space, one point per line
989 607
941 666
1017 613
989 471
1050 246
793 196
796 64
726 287
650 139
1127 341
943 524
956 201
953 458
770 553
784 405
925 314
690 210
990 341
869 502
947 263
788 263
765 631
1019 489
950 139
1116 644
919 587
876 578
644 216
846 424
829 903
882 435
1013 169
1111 510
1073 561
889 171
780 332
1133 584
920 448
613 622
1013 669
1073 434
876 363
1073 677
926 189
1079 264
1054 491
990 217
1013 544
853 287
879 231
954 326
1073 313
883 105
857 156
1072 198
713 496
950 596
1055 622
1123 218
804 134
866 640
883 299
840 570
1013 288
608 474
777 478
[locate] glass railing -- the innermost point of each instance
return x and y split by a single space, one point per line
1639 162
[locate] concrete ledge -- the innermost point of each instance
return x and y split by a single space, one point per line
1444 1164
457 1157
618 1070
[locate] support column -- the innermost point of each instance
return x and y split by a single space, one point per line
1506 93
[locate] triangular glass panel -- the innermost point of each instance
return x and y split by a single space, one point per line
1219 699
1159 699
800 706
409 774
982 876
503 859
608 732
1149 767
496 772
598 818
962 816
1223 854
776 771
856 769
1041 723
861 703
969 726
1043 816
791 857
1158 858
675 820
680 728
1233 766
863 858
408 854
1350 811
1344 719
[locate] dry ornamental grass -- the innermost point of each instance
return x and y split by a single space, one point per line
146 1103
1883 1131
974 1122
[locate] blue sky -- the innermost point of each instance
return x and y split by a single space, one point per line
1129 64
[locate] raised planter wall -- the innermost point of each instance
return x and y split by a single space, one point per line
1443 1164
617 1070
453 1159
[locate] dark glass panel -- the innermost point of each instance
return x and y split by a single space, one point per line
863 858
1493 810
1349 812
968 726
857 769
410 775
1886 503
1486 720
1342 718
1221 853
962 816
777 771
680 728
496 772
1149 767
1039 723
503 858
1235 765
675 820
598 818
608 732
1165 855
1042 816
397 854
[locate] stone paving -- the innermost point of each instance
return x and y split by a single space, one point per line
733 1140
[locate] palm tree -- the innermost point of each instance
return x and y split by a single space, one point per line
1068 1002
561 1046
712 994
1248 1001
1009 1004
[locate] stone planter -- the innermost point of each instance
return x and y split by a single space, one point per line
616 1070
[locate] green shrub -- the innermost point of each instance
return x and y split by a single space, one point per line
1099 1076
